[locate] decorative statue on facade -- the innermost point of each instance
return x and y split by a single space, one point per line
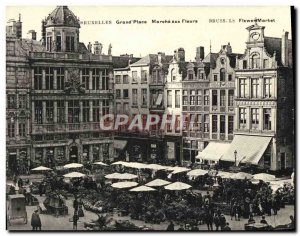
100 48
109 49
89 46
73 84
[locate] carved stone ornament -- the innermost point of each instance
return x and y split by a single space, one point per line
73 84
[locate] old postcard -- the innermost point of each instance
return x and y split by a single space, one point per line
150 118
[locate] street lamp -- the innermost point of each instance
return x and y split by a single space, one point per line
235 153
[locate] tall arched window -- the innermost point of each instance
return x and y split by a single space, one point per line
173 76
255 61
222 74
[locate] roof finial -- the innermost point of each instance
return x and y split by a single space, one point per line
209 46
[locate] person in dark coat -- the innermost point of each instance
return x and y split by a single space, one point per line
36 221
170 226
75 204
226 227
251 220
263 220
75 220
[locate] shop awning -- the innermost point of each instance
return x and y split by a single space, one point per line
120 144
159 100
249 149
213 151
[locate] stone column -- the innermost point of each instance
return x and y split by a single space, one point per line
55 80
80 112
91 153
44 112
261 118
91 80
237 87
55 112
210 126
236 119
226 127
248 117
250 84
218 125
32 78
32 112
261 86
66 112
273 118
67 157
44 80
91 110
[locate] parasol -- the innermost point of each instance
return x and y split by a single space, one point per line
135 165
224 175
74 175
142 189
73 165
121 176
155 167
178 186
197 172
157 183
41 168
264 177
124 184
118 163
100 163
241 175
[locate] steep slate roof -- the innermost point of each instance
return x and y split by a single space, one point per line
232 58
62 16
24 46
122 61
274 45
211 59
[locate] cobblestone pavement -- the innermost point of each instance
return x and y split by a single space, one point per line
50 222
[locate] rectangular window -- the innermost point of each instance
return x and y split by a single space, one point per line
134 76
49 78
22 130
230 124
118 93
86 78
254 89
144 97
244 64
144 76
199 97
96 79
267 119
214 123
125 93
185 98
215 78
169 98
38 112
206 97
125 79
222 124
58 43
222 75
105 107
85 111
243 91
70 44
118 79
11 130
49 112
11 101
215 98
222 98
267 87
22 101
191 76
60 111
206 123
177 98
96 110
230 97
49 44
192 97
73 111
118 108
134 97
255 116
229 77
60 78
243 117
38 78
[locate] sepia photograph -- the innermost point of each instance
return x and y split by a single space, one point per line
150 118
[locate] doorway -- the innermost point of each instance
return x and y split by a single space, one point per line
282 161
74 154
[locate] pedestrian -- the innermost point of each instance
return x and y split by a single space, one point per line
170 226
217 221
292 224
226 227
36 221
263 220
75 220
75 204
251 220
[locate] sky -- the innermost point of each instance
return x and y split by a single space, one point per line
142 39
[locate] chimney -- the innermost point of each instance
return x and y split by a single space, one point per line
181 54
199 53
160 57
19 28
43 33
96 48
33 34
227 48
285 49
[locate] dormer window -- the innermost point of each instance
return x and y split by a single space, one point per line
49 42
222 75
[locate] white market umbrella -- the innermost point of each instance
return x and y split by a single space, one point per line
157 183
113 176
142 189
41 168
73 165
100 163
74 175
177 186
156 167
118 163
241 175
178 169
224 175
126 176
124 184
264 177
135 165
197 172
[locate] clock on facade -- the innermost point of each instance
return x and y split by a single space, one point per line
255 36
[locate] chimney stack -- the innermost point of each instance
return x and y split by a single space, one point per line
181 54
96 48
33 34
199 53
19 28
160 57
285 49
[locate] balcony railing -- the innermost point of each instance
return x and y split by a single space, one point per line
69 127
